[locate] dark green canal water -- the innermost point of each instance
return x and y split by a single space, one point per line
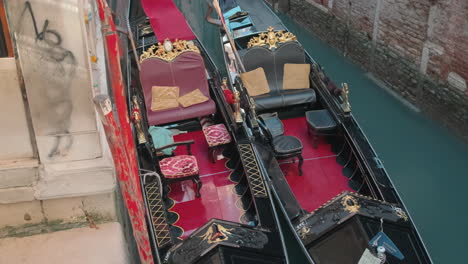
428 165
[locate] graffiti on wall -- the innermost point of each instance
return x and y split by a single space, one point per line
56 66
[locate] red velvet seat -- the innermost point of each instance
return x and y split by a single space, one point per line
216 135
187 71
179 166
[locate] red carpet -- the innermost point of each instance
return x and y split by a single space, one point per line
322 177
217 196
166 20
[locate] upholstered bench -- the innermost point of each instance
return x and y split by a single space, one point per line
174 83
277 71
321 123
216 136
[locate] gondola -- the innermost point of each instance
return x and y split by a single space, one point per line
338 199
204 198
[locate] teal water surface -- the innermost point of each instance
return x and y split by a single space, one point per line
428 165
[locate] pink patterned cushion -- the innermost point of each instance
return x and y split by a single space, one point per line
179 166
216 135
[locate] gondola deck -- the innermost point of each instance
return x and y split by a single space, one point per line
322 177
219 197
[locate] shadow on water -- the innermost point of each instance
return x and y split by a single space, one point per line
428 165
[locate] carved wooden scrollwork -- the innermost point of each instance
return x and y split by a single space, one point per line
168 54
271 38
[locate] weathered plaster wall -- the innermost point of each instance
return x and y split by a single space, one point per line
418 47
70 166
15 140
54 63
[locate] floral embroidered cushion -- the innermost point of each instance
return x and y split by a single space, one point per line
216 135
179 166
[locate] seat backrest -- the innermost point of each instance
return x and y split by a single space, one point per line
289 52
272 59
256 57
273 124
184 69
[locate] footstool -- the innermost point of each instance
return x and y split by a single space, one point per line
216 136
321 123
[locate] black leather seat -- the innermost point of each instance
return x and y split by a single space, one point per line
286 144
283 146
272 62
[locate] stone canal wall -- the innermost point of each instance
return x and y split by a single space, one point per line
418 47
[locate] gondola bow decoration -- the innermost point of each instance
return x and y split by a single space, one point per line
271 38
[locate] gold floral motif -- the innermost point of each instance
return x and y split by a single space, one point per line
158 51
303 232
216 233
400 213
350 204
271 38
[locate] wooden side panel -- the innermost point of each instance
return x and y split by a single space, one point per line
124 152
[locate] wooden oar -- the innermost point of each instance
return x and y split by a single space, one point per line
228 34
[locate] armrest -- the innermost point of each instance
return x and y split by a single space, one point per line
175 144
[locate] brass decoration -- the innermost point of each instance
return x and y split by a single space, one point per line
178 47
400 213
346 105
350 204
237 112
303 232
271 38
136 114
216 233
253 112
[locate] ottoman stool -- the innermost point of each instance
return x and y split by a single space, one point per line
321 123
216 136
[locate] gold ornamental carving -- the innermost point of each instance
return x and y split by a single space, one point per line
346 104
303 232
216 233
163 52
136 115
271 38
400 213
350 204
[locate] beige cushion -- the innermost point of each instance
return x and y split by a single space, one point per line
192 98
163 104
164 97
296 76
255 82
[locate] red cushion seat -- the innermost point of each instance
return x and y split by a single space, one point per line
216 135
179 166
